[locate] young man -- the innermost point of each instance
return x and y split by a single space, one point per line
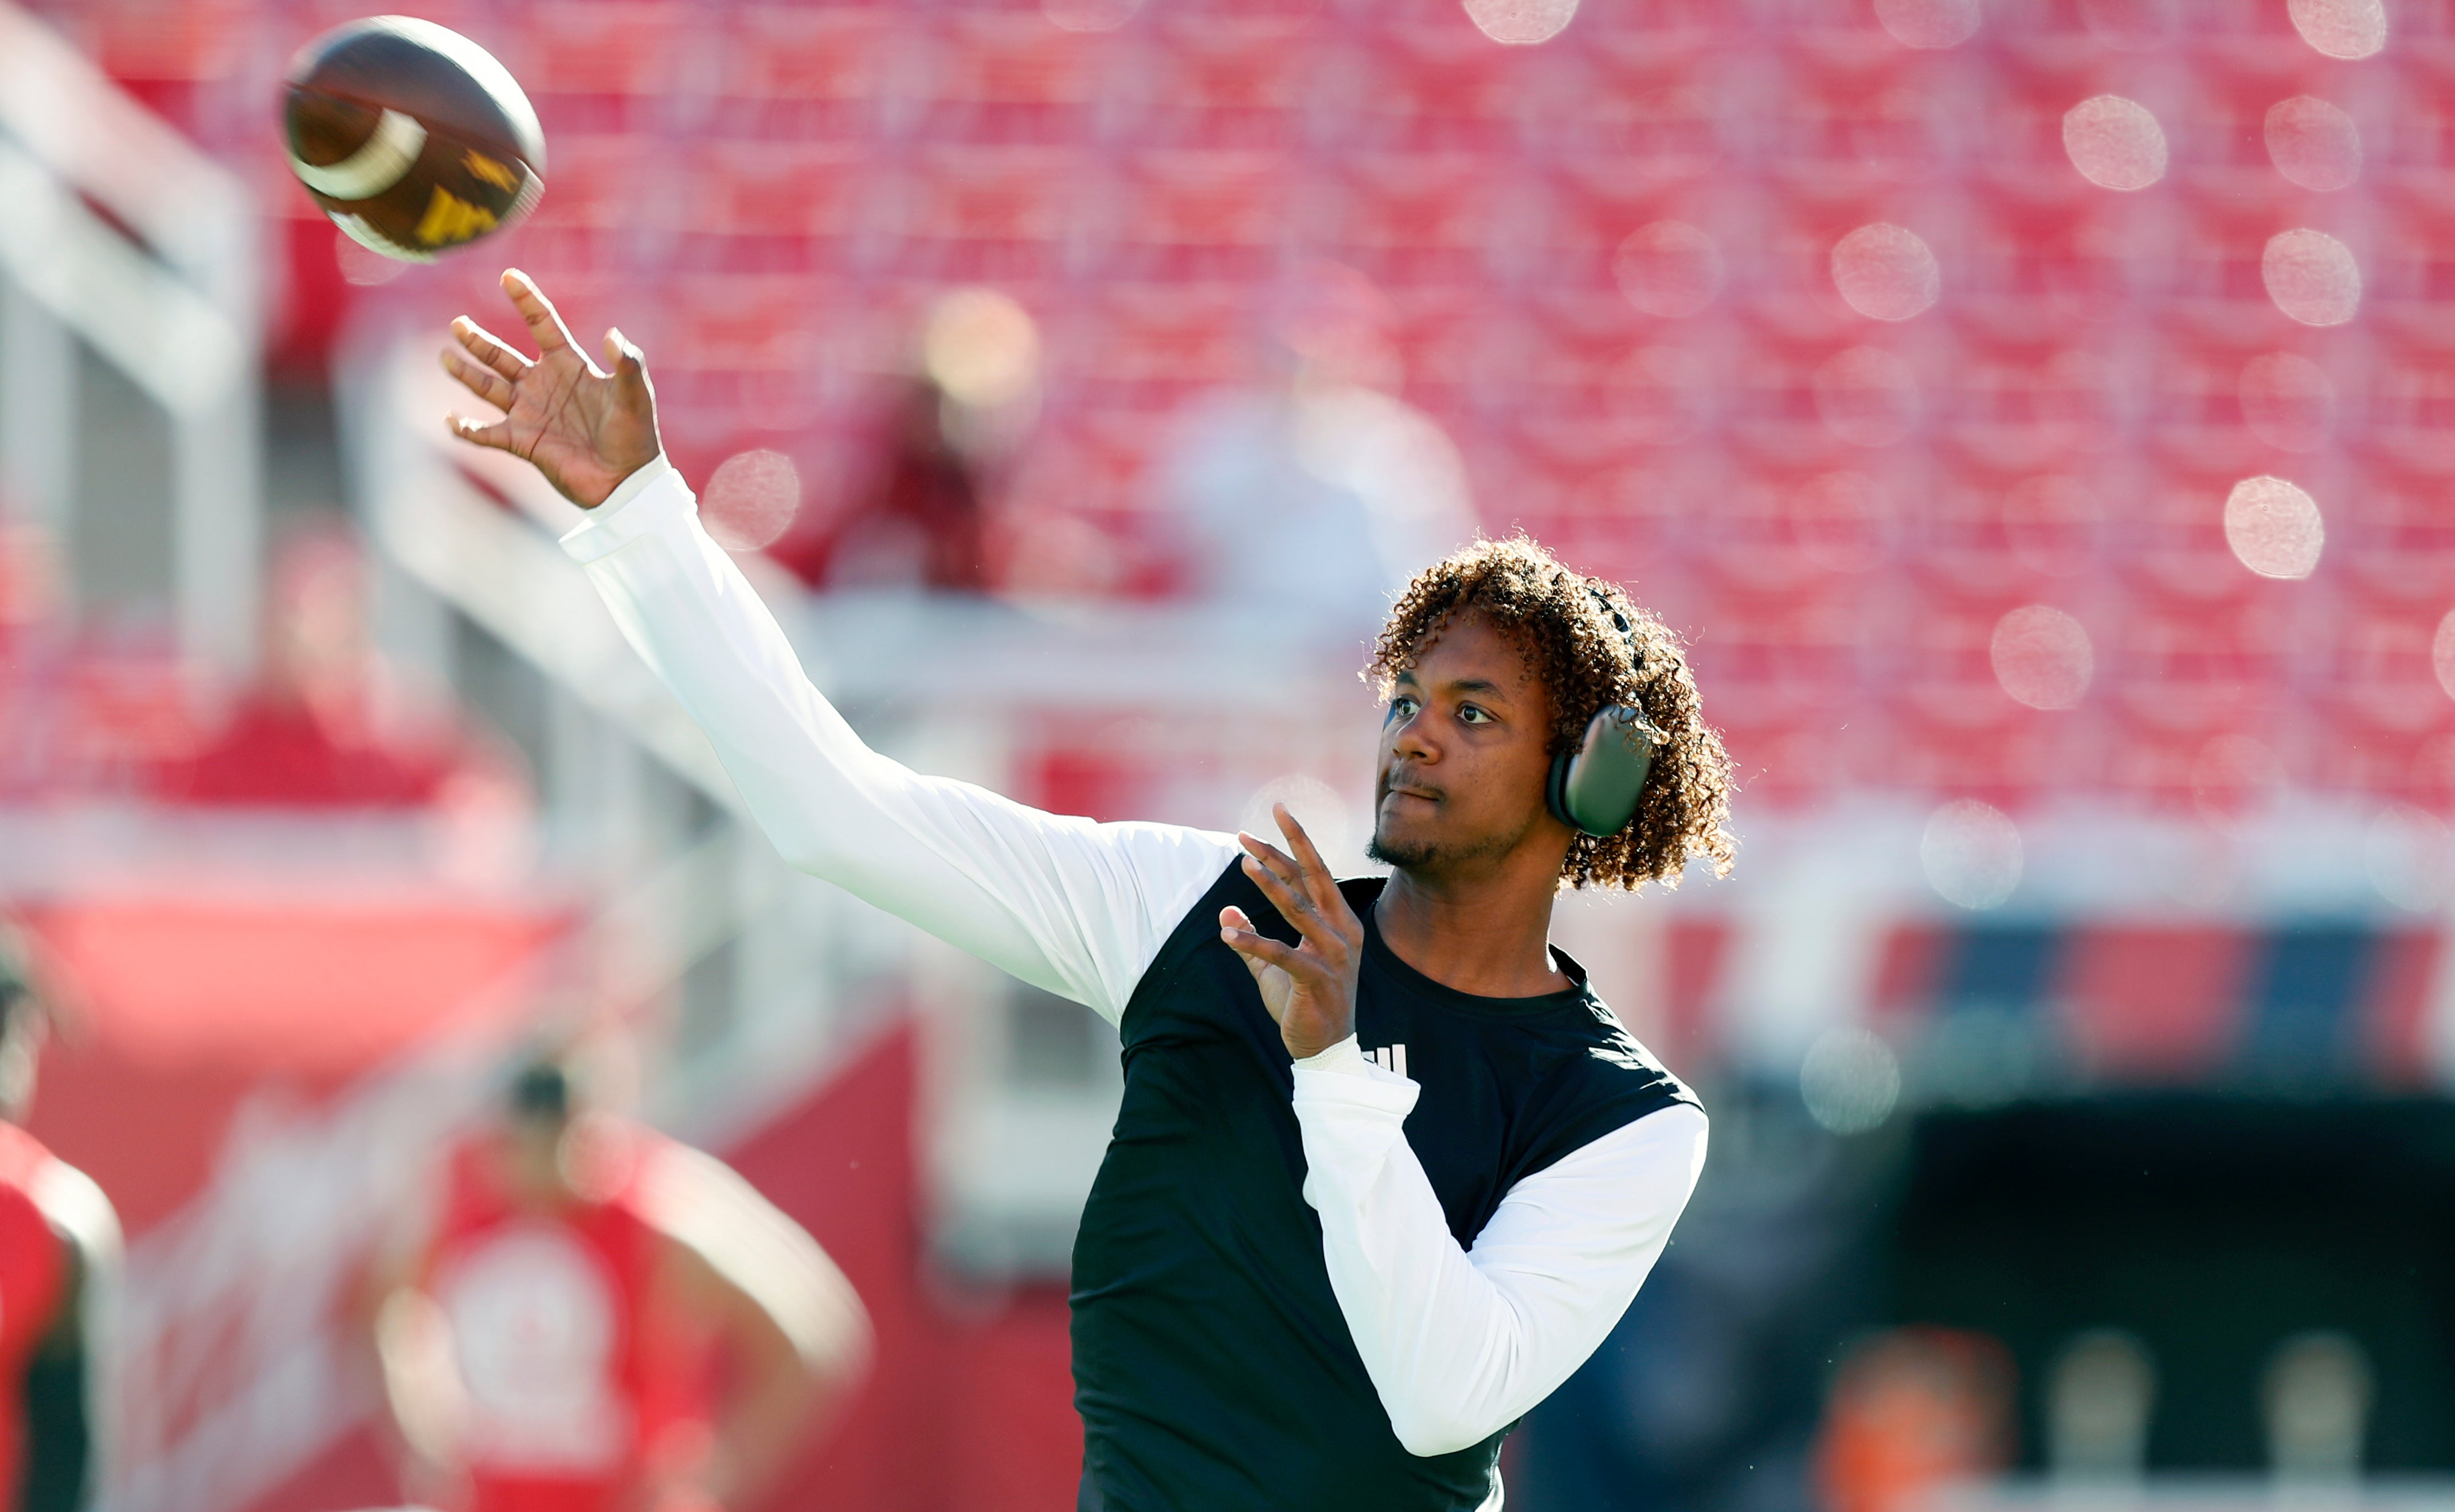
59 1254
550 1317
1385 1172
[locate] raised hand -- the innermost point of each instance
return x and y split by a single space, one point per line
584 428
1309 987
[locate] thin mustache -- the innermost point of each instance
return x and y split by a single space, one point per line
1397 782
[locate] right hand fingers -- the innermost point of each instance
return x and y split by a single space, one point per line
498 436
544 325
489 348
484 382
1292 904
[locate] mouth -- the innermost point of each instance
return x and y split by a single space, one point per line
1404 790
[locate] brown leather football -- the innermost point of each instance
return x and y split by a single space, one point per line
411 136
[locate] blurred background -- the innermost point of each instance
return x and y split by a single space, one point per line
2038 414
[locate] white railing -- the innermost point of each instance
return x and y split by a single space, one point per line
171 302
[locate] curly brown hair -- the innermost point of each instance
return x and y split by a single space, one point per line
1562 621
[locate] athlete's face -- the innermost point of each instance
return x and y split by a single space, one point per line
1463 754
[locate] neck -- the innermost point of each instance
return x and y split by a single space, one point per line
1487 934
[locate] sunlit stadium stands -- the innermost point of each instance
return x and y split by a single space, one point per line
746 188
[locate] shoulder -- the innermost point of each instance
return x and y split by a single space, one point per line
723 1233
63 1197
1601 1078
707 1209
76 1208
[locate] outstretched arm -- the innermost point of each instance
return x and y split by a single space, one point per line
1074 907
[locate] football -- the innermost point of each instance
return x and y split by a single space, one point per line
411 136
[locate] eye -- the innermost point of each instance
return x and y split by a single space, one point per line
1401 707
1473 715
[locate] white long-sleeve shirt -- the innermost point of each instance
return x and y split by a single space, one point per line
1458 1341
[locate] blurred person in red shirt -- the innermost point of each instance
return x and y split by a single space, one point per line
59 1259
1912 1411
916 516
323 726
582 1316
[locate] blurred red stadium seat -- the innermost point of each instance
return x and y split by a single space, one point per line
1226 82
1199 216
997 215
1011 77
806 73
612 65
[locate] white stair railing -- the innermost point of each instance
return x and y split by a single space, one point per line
171 302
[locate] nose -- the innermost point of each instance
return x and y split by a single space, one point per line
1410 740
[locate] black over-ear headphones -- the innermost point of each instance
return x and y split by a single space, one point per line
1593 786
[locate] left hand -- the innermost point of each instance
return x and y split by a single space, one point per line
1309 987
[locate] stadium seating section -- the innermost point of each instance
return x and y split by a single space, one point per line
1838 509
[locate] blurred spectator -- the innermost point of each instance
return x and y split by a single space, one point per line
320 728
2317 1401
584 1317
2100 1398
1911 1412
917 519
59 1254
1318 494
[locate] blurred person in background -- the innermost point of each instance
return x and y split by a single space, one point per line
582 1315
322 725
1914 1411
1316 495
918 515
59 1257
1308 1276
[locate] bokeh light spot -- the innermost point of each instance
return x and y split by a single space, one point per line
2115 143
1329 820
2312 276
1929 23
363 266
1867 396
2274 527
1886 273
2288 401
2314 144
1971 852
1849 1080
750 500
2042 656
1669 269
2441 653
2339 28
980 348
1521 23
2410 856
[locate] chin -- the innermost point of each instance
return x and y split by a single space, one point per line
1405 853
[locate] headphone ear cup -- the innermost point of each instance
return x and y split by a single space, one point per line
1595 788
1556 787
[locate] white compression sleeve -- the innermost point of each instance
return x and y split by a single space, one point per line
1078 908
1459 1342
